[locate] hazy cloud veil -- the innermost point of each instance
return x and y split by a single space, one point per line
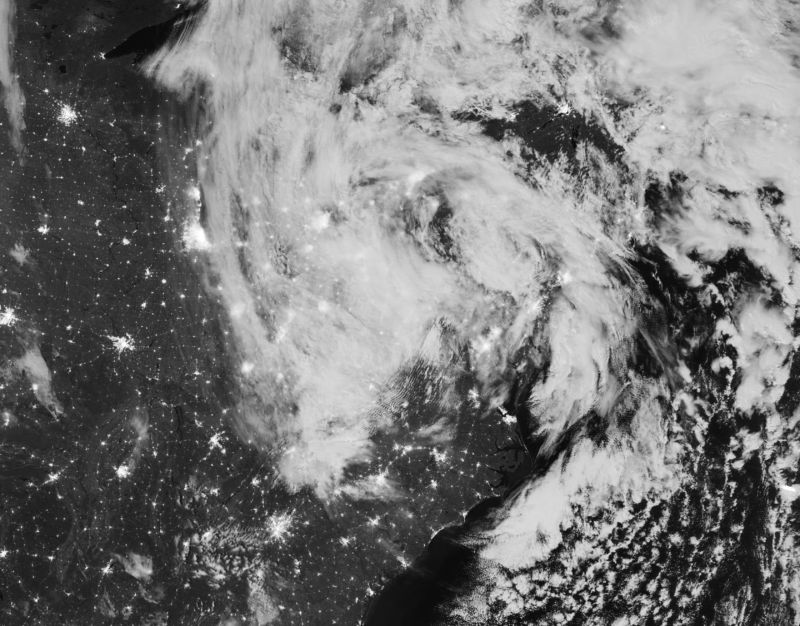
13 98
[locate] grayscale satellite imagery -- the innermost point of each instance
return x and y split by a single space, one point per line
399 312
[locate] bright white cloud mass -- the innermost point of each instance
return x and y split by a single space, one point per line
357 219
